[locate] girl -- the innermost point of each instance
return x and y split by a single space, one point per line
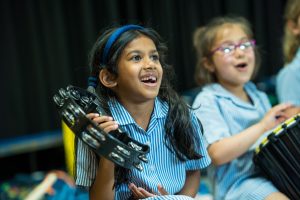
234 113
288 78
129 63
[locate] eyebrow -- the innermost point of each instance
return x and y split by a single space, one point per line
231 42
138 51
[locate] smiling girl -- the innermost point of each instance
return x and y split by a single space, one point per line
234 113
129 65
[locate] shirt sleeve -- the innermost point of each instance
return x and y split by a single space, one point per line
86 165
201 147
208 112
287 85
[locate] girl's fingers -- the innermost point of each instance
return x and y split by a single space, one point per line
92 115
281 107
145 193
136 193
292 111
162 190
102 119
110 128
106 123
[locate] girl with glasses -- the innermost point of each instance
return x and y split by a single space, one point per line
234 113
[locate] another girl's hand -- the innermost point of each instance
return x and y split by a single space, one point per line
275 116
141 193
106 123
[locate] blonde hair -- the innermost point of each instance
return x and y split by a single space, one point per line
204 39
291 42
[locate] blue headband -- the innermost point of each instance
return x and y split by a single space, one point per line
115 35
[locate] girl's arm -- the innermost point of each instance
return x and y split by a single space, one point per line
227 149
103 185
191 184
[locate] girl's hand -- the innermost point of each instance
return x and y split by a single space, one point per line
106 123
292 111
141 193
275 116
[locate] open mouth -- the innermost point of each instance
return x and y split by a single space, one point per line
242 65
149 79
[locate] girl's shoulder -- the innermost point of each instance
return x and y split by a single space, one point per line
208 96
212 91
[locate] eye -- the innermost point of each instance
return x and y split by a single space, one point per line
245 45
227 49
154 57
136 58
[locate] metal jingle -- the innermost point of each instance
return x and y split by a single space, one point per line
138 166
62 93
90 140
122 150
58 100
71 107
69 117
117 157
75 94
69 87
96 133
85 99
143 158
134 146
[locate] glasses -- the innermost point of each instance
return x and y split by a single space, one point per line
228 49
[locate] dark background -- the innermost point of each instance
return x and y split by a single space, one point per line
44 46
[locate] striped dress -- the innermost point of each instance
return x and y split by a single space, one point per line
163 167
223 115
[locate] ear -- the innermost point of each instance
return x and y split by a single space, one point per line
107 79
208 65
293 27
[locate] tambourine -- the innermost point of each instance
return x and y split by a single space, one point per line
74 104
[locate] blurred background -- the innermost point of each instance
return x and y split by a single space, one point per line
45 46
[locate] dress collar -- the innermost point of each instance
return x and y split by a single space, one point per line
122 116
249 87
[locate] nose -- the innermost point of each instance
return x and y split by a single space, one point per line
149 64
238 51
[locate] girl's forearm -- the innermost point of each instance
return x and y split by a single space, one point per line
103 185
191 184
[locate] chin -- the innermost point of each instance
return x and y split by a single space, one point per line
151 95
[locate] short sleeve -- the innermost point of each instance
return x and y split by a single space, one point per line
208 112
86 165
201 148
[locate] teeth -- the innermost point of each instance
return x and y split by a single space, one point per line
149 78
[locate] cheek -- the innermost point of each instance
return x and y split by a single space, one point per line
222 62
228 59
251 57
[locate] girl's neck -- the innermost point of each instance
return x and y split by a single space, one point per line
140 112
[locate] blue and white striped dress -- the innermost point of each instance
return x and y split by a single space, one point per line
223 115
163 167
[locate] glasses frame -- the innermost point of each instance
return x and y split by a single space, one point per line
253 43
